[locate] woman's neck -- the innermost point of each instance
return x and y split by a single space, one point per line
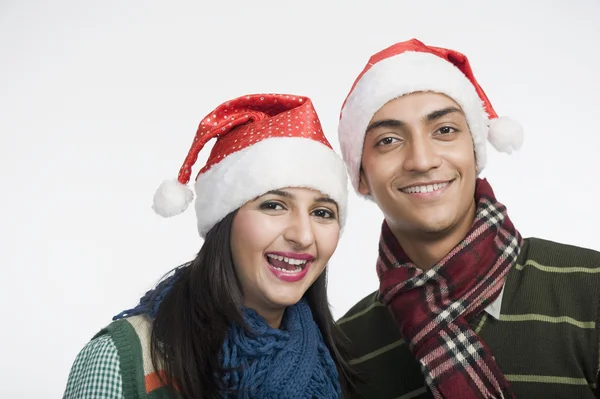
272 316
273 319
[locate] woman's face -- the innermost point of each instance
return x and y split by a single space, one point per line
281 243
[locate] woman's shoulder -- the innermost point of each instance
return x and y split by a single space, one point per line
96 371
117 351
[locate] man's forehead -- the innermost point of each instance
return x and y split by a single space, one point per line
399 114
420 102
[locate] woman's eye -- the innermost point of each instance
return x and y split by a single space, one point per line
324 213
273 206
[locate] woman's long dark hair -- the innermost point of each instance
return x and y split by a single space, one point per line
192 321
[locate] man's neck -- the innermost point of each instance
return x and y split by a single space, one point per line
425 250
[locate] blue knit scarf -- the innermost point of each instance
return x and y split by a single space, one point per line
263 362
291 362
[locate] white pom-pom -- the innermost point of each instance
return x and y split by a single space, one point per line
172 198
506 135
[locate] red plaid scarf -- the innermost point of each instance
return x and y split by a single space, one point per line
432 308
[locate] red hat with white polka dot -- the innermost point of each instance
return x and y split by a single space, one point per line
263 142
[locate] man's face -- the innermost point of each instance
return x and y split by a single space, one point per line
418 164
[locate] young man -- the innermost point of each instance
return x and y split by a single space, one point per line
466 307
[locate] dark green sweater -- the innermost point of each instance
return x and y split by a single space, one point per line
546 341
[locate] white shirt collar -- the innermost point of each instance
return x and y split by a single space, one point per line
493 308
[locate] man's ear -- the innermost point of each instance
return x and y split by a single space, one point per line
476 163
363 186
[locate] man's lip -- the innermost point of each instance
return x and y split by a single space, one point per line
417 184
294 255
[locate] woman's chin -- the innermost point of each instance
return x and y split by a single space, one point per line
285 297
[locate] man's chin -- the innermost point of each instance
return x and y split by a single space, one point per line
435 227
430 228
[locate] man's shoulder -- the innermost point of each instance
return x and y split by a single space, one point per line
559 255
368 316
361 306
566 276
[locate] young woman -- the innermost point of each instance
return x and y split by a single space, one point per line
249 316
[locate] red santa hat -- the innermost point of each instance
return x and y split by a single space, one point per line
263 142
409 67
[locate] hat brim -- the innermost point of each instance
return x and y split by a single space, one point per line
270 164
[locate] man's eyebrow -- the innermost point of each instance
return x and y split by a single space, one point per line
395 123
385 123
441 112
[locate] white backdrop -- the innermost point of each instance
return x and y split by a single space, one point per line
99 102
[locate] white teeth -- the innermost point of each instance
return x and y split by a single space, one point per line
298 269
291 261
429 188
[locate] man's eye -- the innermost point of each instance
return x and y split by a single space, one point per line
446 130
387 141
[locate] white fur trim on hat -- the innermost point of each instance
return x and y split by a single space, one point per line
270 164
394 77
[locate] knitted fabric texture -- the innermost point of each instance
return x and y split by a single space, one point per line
432 308
291 362
263 362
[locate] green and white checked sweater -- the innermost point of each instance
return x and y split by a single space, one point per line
96 372
545 339
116 364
